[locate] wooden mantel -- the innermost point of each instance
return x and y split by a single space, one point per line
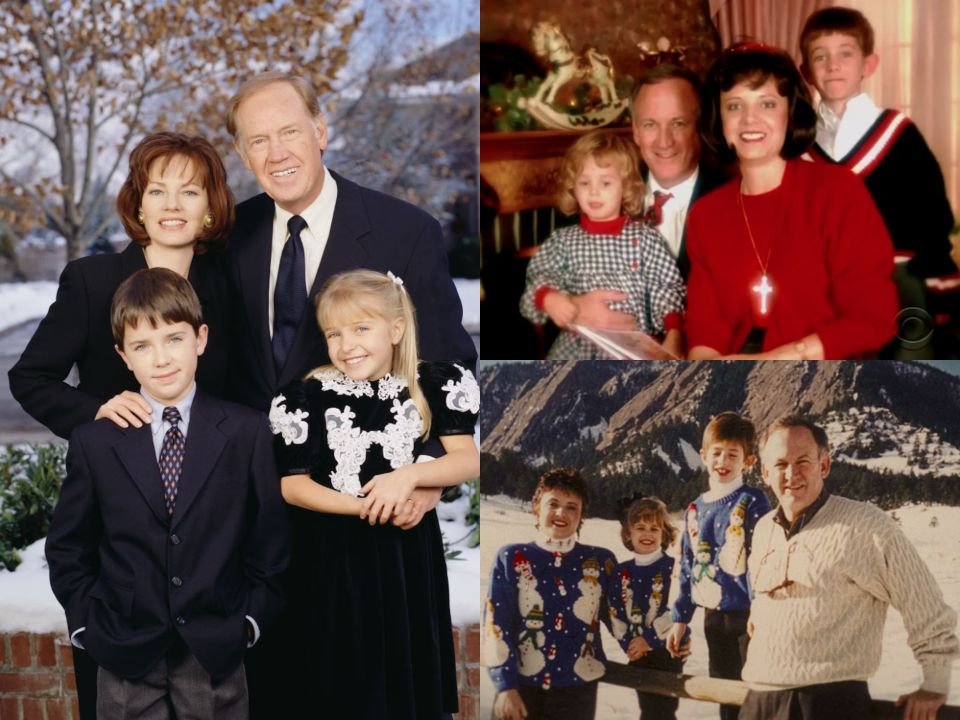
524 167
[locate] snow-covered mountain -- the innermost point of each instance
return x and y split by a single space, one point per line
617 419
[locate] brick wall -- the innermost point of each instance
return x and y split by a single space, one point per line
36 676
466 642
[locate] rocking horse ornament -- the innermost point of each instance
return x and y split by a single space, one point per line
593 67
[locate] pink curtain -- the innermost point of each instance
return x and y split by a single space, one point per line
776 22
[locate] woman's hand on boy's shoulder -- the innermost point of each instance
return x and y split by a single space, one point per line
126 409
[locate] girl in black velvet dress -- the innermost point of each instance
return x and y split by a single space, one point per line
367 633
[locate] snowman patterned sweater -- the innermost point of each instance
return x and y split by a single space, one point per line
638 599
542 617
714 547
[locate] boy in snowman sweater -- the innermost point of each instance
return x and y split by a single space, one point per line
718 530
541 638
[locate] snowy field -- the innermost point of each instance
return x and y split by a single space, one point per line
20 302
504 521
28 604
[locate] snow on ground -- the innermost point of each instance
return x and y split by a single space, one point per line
463 572
27 602
505 520
20 302
470 298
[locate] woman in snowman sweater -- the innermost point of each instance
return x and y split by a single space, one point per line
541 639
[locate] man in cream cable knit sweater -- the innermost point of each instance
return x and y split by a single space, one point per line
824 569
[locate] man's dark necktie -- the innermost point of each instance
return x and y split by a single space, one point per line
654 214
290 294
171 457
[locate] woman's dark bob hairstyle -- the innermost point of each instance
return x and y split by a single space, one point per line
754 63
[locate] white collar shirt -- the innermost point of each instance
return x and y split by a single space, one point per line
838 135
319 218
674 211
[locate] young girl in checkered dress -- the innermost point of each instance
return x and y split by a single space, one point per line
605 251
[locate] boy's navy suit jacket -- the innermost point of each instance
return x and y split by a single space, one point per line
370 230
135 577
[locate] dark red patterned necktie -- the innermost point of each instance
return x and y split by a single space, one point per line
171 457
654 214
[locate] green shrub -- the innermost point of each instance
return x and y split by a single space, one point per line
472 518
30 478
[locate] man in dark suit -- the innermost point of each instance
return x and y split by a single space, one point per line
308 225
281 135
167 540
665 106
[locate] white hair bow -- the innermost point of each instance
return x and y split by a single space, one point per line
396 281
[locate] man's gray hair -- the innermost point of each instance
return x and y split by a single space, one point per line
303 87
797 421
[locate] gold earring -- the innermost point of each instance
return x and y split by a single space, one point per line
140 216
208 220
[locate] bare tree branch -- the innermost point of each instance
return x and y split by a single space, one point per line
99 70
30 125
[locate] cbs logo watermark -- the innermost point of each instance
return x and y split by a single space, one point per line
914 328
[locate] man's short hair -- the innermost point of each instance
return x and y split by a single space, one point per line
831 20
798 421
156 295
566 480
660 73
303 87
730 427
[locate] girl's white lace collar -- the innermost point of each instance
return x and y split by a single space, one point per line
388 387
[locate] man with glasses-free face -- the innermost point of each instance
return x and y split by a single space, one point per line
824 569
794 466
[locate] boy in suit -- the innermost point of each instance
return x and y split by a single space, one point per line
167 540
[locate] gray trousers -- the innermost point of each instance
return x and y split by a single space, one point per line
177 688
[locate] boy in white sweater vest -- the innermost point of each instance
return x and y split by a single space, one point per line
824 569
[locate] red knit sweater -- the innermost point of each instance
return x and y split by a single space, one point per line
830 265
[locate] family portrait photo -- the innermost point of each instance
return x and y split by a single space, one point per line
758 540
239 308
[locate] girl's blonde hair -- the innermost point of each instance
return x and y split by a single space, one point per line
606 148
367 293
651 509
